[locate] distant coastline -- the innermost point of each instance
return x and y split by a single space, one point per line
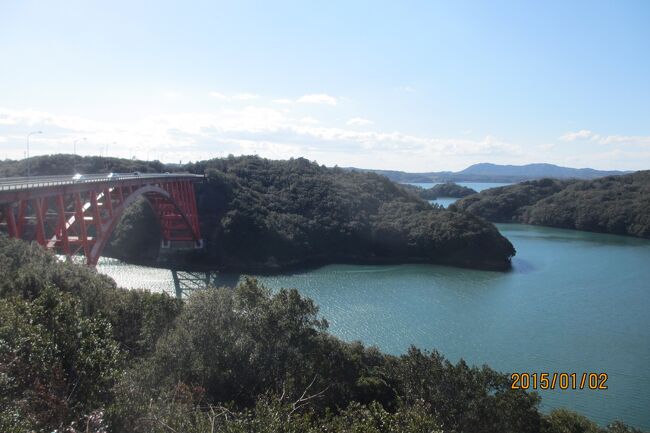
487 172
615 204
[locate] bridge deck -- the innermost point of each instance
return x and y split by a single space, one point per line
72 216
12 187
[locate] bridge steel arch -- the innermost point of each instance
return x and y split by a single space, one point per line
72 218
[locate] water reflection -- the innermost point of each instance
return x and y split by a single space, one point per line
226 280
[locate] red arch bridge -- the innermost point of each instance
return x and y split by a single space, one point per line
77 216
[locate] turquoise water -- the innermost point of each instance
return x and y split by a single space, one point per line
574 302
444 201
476 186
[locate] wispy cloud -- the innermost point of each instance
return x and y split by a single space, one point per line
586 135
547 146
318 98
359 121
172 94
274 133
245 96
407 89
235 97
309 120
218 95
635 140
572 136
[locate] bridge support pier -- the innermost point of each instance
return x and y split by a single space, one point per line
185 282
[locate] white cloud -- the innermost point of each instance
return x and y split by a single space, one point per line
579 135
245 96
312 98
277 133
218 95
236 97
547 146
309 120
318 98
630 140
407 89
634 140
273 133
359 121
172 94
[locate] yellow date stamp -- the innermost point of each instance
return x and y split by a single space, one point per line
544 381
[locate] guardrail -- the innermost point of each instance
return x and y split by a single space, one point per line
20 183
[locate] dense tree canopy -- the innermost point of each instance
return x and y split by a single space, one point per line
447 189
136 237
60 164
614 204
66 333
265 215
505 203
78 354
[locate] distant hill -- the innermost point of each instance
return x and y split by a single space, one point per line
535 171
448 189
486 172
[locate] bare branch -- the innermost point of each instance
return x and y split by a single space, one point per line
304 398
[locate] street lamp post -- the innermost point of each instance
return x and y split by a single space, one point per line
28 164
106 154
74 150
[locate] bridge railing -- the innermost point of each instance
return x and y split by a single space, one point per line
19 183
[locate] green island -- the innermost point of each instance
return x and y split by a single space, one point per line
447 189
79 354
613 204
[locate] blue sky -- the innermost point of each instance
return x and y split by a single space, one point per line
418 86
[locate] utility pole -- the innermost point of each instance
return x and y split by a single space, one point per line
74 157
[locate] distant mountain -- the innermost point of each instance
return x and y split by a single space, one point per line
486 172
532 171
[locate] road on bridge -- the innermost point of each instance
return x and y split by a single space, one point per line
77 214
26 183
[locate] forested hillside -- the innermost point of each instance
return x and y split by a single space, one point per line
259 215
506 203
60 164
448 189
263 214
614 204
78 354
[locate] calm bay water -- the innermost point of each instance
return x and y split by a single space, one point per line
574 302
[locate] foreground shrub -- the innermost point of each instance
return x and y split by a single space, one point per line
55 364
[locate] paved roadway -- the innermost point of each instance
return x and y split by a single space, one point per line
33 182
